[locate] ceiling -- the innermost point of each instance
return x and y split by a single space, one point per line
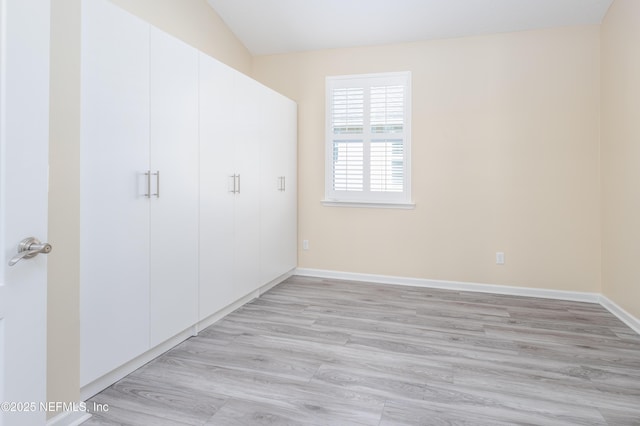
282 26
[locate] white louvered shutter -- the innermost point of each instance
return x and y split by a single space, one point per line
368 138
347 118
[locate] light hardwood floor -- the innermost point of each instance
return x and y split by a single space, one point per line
327 352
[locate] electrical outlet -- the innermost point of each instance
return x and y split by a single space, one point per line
305 244
499 258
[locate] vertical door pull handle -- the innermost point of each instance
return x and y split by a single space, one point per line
232 184
148 175
157 175
238 176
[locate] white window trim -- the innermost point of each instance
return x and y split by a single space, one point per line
368 198
365 204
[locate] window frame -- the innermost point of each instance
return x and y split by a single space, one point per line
367 197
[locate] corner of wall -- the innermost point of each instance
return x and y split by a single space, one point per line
63 308
619 164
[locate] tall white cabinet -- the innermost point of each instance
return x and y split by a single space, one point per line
114 215
188 190
278 201
173 103
247 165
218 187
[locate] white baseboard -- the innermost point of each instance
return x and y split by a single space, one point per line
576 296
69 418
624 316
98 385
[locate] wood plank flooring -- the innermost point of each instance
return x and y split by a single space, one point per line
326 352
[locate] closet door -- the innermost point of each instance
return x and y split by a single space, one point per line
278 214
174 186
114 271
289 221
217 193
249 131
286 241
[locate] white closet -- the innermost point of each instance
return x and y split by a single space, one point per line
188 189
219 184
114 212
247 153
278 201
174 207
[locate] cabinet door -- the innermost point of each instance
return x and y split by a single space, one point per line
249 128
174 200
289 219
217 138
278 210
114 271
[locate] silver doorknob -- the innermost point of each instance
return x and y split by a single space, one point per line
28 248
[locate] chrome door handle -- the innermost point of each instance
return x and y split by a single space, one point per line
236 184
157 175
232 181
28 248
148 175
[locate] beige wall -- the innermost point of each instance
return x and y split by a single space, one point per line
63 326
505 158
621 155
191 20
196 23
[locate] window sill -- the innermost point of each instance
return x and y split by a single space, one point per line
368 205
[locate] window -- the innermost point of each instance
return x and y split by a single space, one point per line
367 139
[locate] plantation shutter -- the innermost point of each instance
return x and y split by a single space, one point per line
367 138
347 118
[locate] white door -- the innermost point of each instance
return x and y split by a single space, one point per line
24 136
248 132
278 226
174 205
114 190
217 166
